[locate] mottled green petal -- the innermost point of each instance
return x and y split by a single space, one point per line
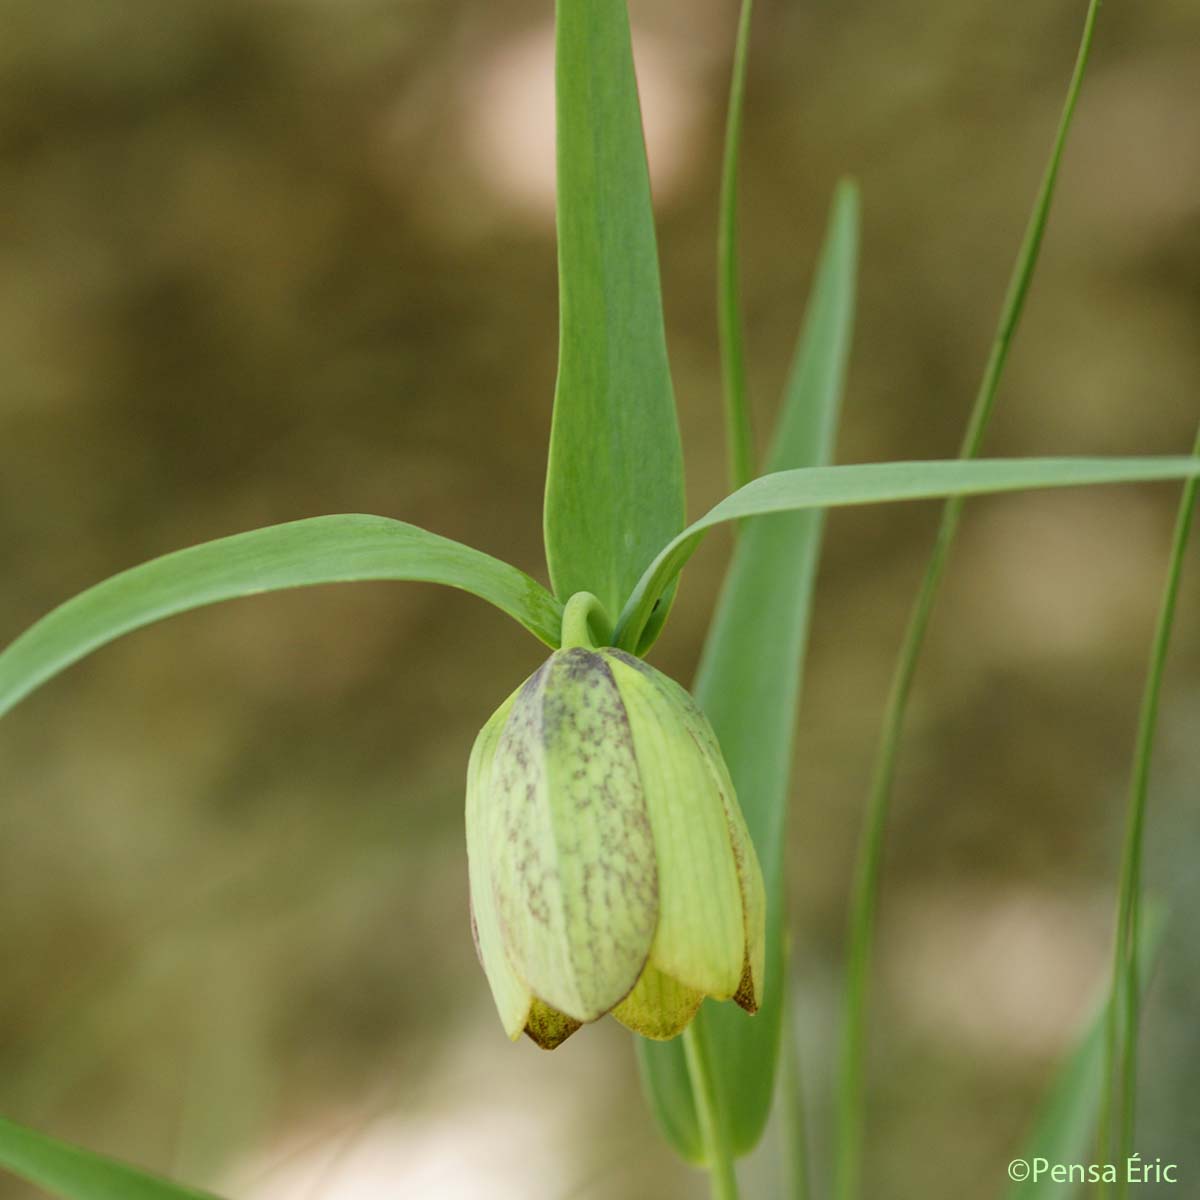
512 997
574 870
659 1007
750 880
700 939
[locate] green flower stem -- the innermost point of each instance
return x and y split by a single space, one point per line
739 435
721 1174
1126 989
585 623
795 1125
850 1118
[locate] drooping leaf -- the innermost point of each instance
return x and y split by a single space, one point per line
1065 1128
748 684
614 484
75 1174
334 549
879 483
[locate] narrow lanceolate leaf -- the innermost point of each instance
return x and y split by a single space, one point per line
76 1174
738 432
748 685
1065 1127
878 483
614 485
1125 991
336 549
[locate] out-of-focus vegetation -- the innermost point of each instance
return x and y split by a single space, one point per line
262 261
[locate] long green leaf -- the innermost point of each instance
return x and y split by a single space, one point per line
76 1174
614 484
1064 1129
320 550
748 684
878 483
738 432
1126 958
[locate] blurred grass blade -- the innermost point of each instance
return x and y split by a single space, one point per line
878 483
868 863
614 483
76 1174
1065 1127
748 684
1125 992
336 549
738 432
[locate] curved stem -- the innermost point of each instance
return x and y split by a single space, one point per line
870 855
582 614
721 1174
1126 985
729 303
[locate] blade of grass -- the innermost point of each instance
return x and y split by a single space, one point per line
614 483
1064 1127
338 549
879 483
739 434
851 1102
1125 954
748 684
76 1174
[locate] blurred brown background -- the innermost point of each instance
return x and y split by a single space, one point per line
266 260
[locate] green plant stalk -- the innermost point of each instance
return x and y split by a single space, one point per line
739 434
795 1125
585 623
864 901
718 1157
1126 989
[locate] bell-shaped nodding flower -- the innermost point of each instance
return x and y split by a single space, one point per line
610 867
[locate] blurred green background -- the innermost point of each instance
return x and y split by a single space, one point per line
266 260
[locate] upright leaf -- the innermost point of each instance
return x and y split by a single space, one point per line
1125 989
614 485
739 435
336 549
76 1174
749 683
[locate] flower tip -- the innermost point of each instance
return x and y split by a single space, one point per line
546 1027
746 997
